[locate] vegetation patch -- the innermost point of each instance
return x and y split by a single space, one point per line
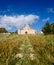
26 49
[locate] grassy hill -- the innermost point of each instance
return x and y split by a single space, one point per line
26 49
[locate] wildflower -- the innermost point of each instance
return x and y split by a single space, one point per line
31 49
32 56
19 55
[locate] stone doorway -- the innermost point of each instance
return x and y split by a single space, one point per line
26 32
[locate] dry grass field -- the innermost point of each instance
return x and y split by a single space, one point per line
26 49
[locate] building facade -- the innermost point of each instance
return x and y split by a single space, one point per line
27 30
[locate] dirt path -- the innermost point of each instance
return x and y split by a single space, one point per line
27 53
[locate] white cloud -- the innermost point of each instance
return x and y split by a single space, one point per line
47 19
50 10
18 20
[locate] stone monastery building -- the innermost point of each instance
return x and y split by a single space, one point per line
27 30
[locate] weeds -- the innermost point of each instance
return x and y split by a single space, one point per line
42 46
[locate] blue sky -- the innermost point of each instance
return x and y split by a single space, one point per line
44 9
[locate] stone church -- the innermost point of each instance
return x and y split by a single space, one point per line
27 30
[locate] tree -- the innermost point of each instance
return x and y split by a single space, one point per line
3 30
52 28
47 28
16 31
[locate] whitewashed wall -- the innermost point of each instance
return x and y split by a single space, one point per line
28 31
